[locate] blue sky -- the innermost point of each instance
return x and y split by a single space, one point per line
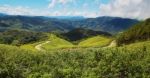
87 8
57 7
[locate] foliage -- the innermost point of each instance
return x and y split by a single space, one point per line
19 37
97 41
57 43
47 24
82 33
136 33
79 63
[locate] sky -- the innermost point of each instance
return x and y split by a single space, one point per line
138 9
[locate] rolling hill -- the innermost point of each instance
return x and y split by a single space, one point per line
82 33
139 32
96 41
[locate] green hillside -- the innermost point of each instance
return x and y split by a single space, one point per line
57 43
83 63
139 32
53 44
82 33
138 45
20 37
97 41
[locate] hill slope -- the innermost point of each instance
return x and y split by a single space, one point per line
19 37
81 33
107 24
52 43
138 32
32 23
97 41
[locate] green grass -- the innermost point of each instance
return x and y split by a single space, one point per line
97 41
138 45
57 43
31 46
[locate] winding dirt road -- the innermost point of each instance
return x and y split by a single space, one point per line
39 47
112 44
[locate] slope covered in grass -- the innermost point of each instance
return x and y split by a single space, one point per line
139 32
57 43
54 43
138 45
82 33
97 41
83 63
31 46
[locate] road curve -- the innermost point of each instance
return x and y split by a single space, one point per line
112 44
39 46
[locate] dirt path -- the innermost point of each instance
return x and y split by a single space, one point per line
39 47
112 44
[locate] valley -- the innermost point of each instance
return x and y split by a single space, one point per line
73 52
74 39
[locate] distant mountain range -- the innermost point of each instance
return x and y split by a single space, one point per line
107 24
68 17
64 23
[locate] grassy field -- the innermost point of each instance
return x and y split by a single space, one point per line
138 45
97 41
58 43
30 46
55 43
119 62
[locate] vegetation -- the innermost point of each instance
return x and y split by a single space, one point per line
19 37
112 25
47 24
139 32
56 43
82 63
97 41
24 57
81 33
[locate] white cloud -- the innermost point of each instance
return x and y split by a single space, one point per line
19 10
16 10
126 8
55 2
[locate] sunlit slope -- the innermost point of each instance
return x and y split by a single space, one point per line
56 43
138 45
97 41
31 46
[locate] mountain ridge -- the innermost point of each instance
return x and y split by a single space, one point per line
47 24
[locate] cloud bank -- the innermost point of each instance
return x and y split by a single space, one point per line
126 8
